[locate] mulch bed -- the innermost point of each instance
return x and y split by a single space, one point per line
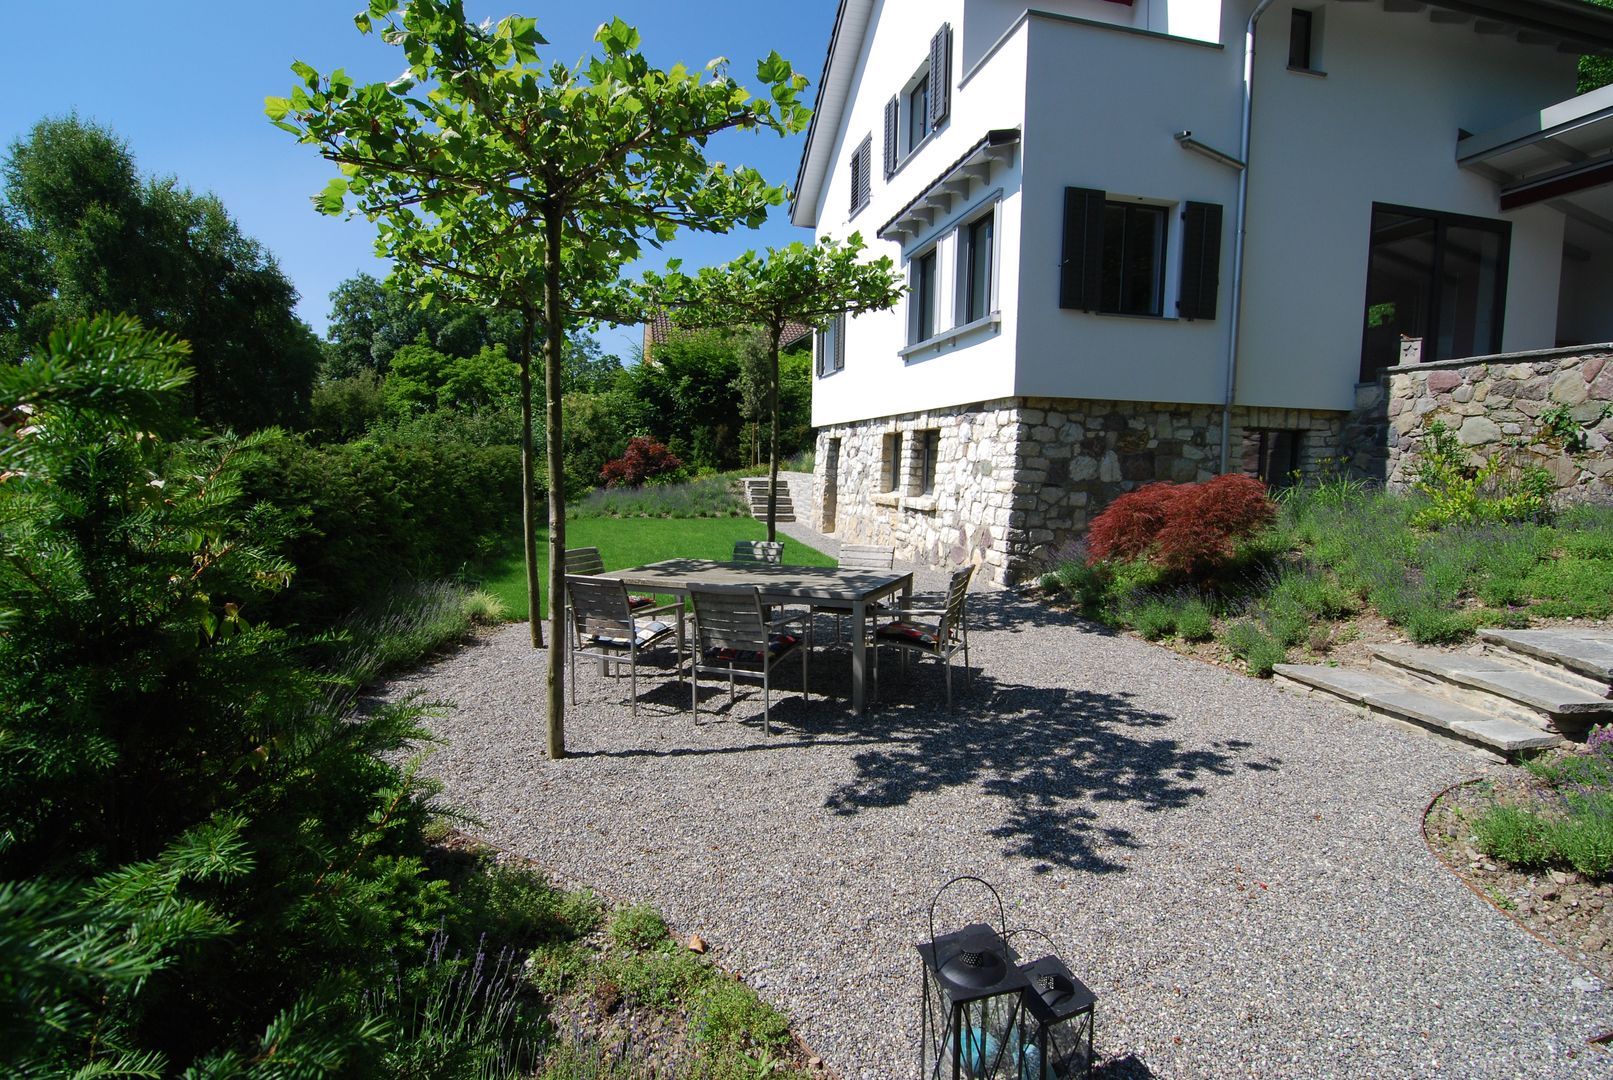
1561 908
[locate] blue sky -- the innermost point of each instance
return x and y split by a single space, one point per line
183 82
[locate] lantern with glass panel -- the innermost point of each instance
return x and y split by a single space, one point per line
974 1000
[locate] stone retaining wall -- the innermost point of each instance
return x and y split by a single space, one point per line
1017 477
1553 408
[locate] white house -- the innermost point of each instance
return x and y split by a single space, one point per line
1064 187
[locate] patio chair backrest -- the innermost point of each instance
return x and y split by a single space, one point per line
584 560
599 607
957 593
866 557
766 551
729 617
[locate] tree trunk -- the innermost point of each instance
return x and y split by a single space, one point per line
772 436
529 511
554 326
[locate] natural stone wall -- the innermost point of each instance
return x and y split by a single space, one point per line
1553 408
1018 477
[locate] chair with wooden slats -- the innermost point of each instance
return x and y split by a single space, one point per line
948 635
760 551
605 627
860 557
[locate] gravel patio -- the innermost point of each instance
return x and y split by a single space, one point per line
1236 870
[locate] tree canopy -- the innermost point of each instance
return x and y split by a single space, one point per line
81 232
480 149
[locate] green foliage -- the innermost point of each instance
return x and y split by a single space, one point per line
398 628
706 496
422 379
86 234
1462 493
1514 835
1194 622
483 607
1249 640
341 409
1155 619
638 927
515 904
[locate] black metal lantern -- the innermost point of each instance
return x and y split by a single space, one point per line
1056 1037
974 1000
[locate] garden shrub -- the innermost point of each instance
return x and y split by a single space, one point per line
485 608
1156 619
1182 528
702 497
1247 639
638 927
1462 493
1194 621
642 461
1514 835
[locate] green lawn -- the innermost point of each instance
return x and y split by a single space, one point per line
632 542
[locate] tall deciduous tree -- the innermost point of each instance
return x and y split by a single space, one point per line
84 233
797 283
480 146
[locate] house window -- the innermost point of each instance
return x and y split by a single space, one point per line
921 285
975 263
1280 453
1304 53
918 111
861 176
1436 282
1114 256
923 103
891 464
926 457
832 347
1133 259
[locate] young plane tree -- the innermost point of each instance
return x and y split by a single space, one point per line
598 158
800 284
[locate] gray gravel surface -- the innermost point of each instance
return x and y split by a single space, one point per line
1236 870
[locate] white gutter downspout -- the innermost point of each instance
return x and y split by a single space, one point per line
1237 236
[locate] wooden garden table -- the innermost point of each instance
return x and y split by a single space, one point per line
853 591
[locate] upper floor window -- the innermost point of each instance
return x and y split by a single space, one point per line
1116 253
915 112
861 174
1304 40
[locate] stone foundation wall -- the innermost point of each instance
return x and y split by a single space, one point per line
1018 477
1552 408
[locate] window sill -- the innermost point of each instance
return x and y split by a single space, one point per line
988 326
887 498
1144 318
921 504
1312 72
857 210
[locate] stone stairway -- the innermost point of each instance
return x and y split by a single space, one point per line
756 496
1517 692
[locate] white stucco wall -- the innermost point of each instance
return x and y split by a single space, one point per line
1103 112
877 380
1380 127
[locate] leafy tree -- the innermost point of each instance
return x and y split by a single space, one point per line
1595 72
480 151
370 320
341 409
793 284
188 812
423 378
104 240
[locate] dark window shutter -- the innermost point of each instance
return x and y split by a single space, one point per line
840 342
1201 260
861 182
893 113
940 74
1081 267
821 360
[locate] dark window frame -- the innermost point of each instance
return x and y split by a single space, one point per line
923 272
918 126
893 461
832 347
1161 254
1302 40
927 456
1442 221
975 294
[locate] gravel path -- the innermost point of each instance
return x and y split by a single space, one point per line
1236 870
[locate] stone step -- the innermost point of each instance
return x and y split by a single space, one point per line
1578 654
1386 697
1495 684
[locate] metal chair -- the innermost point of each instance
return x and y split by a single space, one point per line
941 639
762 551
605 627
731 628
587 562
861 557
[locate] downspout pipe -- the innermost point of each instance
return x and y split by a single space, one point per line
1242 215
